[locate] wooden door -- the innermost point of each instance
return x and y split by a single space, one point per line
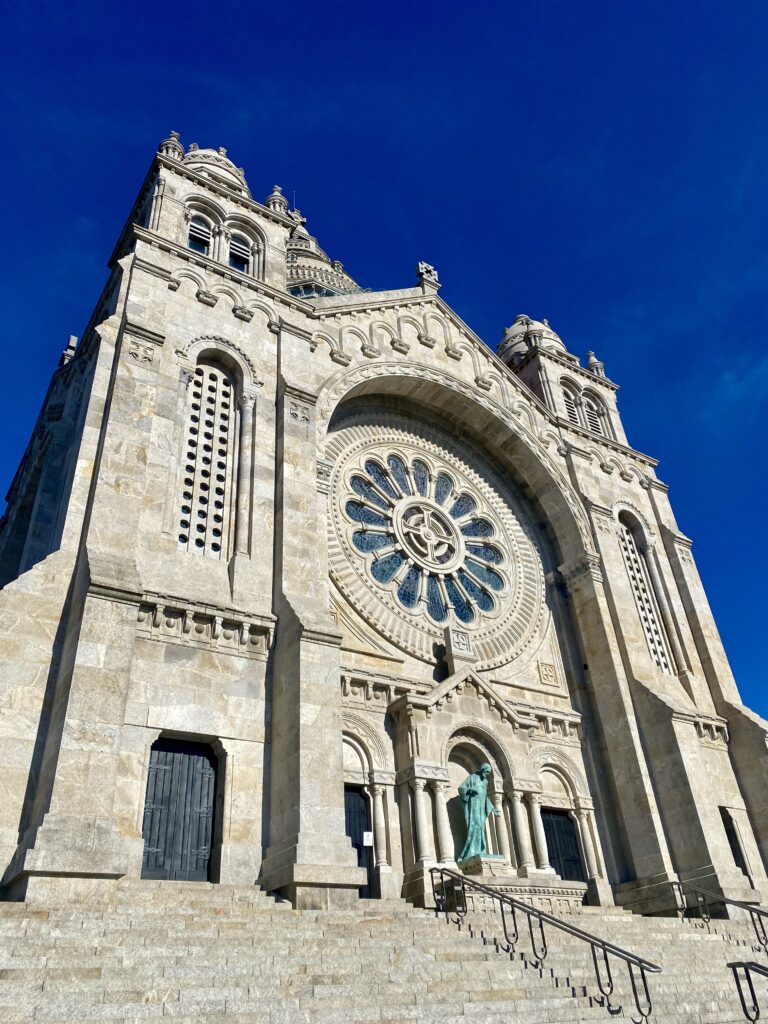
563 845
357 821
178 813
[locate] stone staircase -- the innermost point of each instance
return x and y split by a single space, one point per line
215 954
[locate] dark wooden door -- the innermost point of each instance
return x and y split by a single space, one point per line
178 813
357 821
563 845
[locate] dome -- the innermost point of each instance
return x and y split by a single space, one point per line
214 163
311 272
524 334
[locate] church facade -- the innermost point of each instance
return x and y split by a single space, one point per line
286 559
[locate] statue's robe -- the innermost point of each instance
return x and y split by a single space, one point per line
474 797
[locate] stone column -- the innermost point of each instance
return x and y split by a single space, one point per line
422 827
522 831
379 826
501 827
244 475
444 834
587 847
539 836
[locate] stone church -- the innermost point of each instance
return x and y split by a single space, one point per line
286 558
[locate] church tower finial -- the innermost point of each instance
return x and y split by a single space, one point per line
172 147
276 201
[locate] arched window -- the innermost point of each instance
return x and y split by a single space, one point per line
206 519
199 236
593 414
240 254
635 551
570 399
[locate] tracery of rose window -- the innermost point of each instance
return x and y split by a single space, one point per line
425 539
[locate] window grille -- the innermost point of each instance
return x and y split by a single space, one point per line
205 517
239 254
592 413
570 405
645 599
199 236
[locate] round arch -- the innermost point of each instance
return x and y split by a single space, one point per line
514 446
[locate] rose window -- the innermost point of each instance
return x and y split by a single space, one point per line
426 539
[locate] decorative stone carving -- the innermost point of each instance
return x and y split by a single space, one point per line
452 548
227 631
140 352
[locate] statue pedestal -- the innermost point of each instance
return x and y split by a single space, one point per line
540 888
487 868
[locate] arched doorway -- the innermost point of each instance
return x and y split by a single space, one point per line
179 811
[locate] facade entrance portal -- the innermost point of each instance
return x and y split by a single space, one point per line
563 845
357 820
179 811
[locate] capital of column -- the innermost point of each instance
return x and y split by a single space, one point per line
419 784
246 401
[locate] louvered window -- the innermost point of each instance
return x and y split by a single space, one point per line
647 604
239 254
205 516
199 236
570 405
592 413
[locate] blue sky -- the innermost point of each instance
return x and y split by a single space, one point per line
604 165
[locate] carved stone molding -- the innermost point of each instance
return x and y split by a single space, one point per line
225 632
423 770
586 565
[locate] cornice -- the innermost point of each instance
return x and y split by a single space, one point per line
177 167
188 256
575 368
609 442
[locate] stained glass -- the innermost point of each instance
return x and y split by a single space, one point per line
484 574
366 541
469 588
380 477
420 477
477 528
461 606
384 569
362 487
463 505
481 597
490 554
435 603
409 589
397 466
443 487
364 515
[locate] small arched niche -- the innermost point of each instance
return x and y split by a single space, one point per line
464 758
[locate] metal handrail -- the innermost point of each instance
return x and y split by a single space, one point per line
751 1012
704 897
536 919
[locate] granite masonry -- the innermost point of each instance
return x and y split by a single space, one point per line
287 558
